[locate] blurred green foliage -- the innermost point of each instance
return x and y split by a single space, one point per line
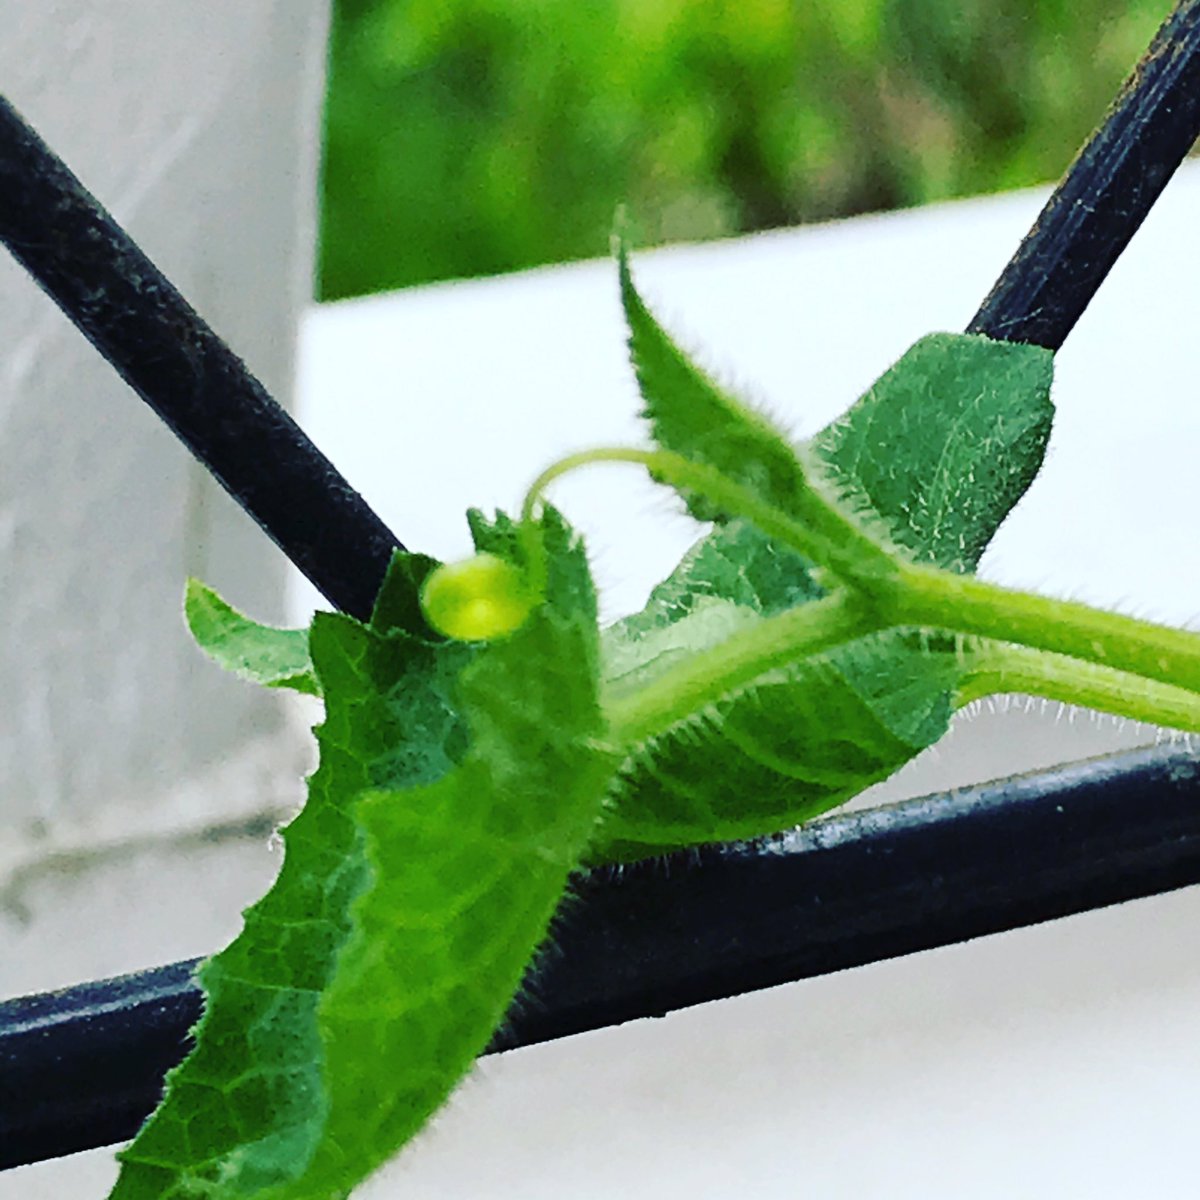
467 137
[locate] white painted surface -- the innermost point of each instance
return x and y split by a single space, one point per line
196 125
1056 1061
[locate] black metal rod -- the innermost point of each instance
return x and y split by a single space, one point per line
83 1067
166 352
1104 196
101 1050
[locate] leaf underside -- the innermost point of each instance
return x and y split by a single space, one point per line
417 882
939 450
244 647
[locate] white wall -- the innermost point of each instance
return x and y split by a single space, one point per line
196 125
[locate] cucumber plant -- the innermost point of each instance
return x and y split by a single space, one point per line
483 738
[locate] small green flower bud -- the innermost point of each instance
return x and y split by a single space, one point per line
476 600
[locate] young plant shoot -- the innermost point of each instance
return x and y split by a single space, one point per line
483 738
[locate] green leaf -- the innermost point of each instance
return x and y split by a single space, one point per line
945 443
939 449
632 662
457 788
799 742
260 653
690 414
736 562
466 876
251 1096
398 605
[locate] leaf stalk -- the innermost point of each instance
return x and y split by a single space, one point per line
966 604
706 677
1058 649
825 533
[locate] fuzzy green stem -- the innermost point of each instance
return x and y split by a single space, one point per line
1012 668
710 674
826 536
964 604
1099 659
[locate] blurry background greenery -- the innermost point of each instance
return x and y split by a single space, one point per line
469 137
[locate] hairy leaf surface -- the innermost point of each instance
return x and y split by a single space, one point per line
939 450
457 787
465 876
945 443
691 414
260 653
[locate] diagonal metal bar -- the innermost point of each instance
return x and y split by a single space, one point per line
1104 196
83 1067
165 351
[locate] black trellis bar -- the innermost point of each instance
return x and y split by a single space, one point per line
1105 196
82 1068
166 352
